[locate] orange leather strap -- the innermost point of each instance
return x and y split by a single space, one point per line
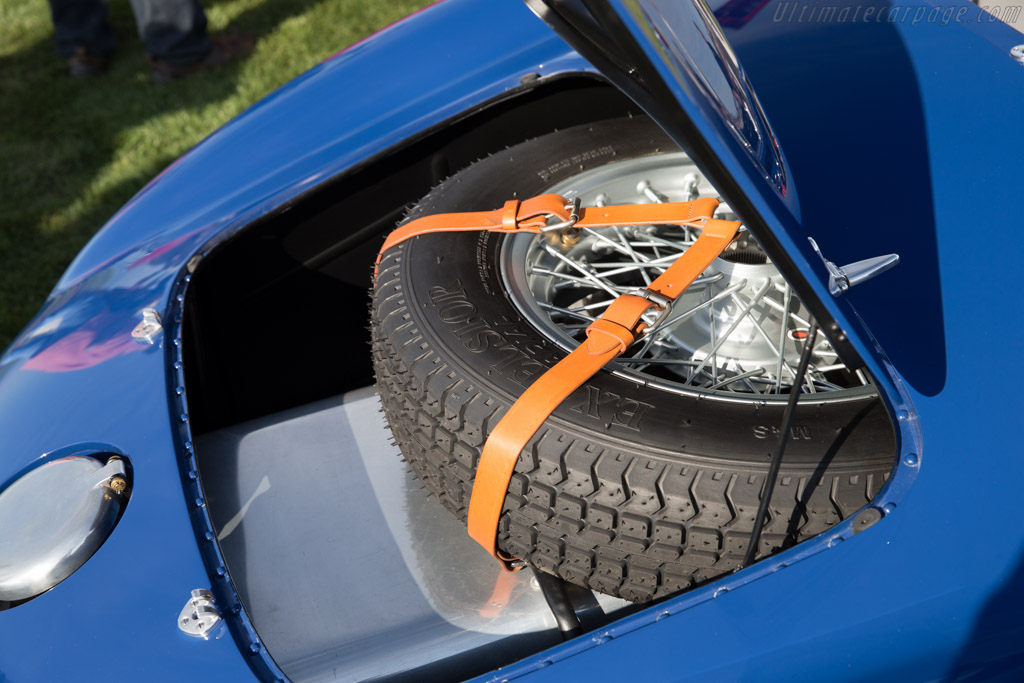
607 337
531 215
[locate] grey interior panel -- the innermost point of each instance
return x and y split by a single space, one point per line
347 567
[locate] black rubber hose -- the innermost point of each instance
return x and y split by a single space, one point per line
558 600
773 470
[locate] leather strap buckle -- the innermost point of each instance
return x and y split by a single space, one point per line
663 304
573 208
620 325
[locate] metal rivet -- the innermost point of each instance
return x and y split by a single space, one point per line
866 518
117 483
910 460
1017 52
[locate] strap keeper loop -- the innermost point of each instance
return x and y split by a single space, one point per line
604 335
510 215
610 335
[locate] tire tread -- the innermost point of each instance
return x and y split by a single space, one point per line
601 513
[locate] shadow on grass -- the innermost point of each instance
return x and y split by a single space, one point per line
73 151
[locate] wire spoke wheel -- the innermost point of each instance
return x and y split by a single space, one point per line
737 331
646 480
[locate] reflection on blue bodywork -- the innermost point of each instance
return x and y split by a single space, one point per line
76 375
92 322
736 13
846 105
691 43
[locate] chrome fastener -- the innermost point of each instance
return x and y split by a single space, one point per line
199 616
573 208
841 278
147 331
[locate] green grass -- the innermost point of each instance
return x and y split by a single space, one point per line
73 151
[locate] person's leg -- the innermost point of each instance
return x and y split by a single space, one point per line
173 31
81 26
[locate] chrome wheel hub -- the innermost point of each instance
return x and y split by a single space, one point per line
736 332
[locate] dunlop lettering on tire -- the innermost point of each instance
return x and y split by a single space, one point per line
628 489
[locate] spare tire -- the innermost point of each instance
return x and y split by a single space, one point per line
647 479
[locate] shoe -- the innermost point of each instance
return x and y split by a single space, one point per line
84 65
224 49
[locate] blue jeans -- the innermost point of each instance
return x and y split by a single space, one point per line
173 31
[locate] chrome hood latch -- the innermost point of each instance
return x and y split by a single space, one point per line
842 278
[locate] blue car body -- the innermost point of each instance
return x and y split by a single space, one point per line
899 136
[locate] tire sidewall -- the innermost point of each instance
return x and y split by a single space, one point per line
457 296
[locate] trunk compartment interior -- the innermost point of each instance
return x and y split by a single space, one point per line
346 566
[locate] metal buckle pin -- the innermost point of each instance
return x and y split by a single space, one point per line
574 215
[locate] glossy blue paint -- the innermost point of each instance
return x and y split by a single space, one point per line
880 159
76 376
649 23
934 590
700 67
931 591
